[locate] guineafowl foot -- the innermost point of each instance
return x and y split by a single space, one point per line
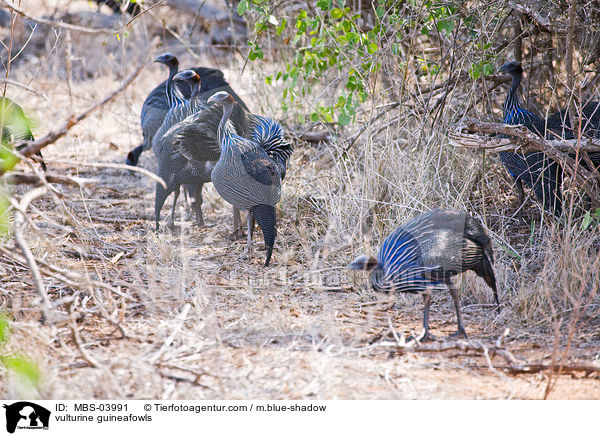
459 334
171 222
428 337
237 234
423 337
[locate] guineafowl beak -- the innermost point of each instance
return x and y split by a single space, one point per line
511 67
165 58
363 262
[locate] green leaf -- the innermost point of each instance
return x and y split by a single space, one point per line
475 71
23 366
336 13
281 26
4 329
324 4
242 7
301 119
269 80
344 119
372 48
587 221
488 69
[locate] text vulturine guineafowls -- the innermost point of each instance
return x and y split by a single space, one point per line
15 126
537 170
158 102
423 254
249 171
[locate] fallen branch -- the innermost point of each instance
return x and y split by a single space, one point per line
143 171
32 147
513 365
523 140
19 178
20 216
60 24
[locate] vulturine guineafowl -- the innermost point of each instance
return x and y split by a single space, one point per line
423 254
155 108
190 123
559 126
537 170
250 169
15 126
158 102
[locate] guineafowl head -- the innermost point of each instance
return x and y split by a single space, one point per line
221 97
512 68
189 77
363 262
167 59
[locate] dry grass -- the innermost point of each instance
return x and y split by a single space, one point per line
183 315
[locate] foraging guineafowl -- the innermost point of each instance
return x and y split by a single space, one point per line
537 170
423 254
15 126
250 169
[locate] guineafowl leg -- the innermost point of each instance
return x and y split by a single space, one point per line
426 335
248 252
520 193
461 329
238 227
198 201
159 200
171 222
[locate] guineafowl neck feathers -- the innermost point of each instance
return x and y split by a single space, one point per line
266 218
224 131
513 113
174 95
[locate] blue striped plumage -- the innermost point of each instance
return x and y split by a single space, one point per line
423 255
400 265
537 170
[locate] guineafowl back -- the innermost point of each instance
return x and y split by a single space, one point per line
426 251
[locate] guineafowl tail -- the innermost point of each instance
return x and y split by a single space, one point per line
265 216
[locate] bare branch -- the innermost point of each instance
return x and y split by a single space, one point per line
32 147
56 23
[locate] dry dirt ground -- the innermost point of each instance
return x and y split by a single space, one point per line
184 315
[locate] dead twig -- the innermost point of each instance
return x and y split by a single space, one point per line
17 178
179 320
77 339
21 208
32 147
60 24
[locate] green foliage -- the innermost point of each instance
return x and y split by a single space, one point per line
330 40
590 219
332 44
23 367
